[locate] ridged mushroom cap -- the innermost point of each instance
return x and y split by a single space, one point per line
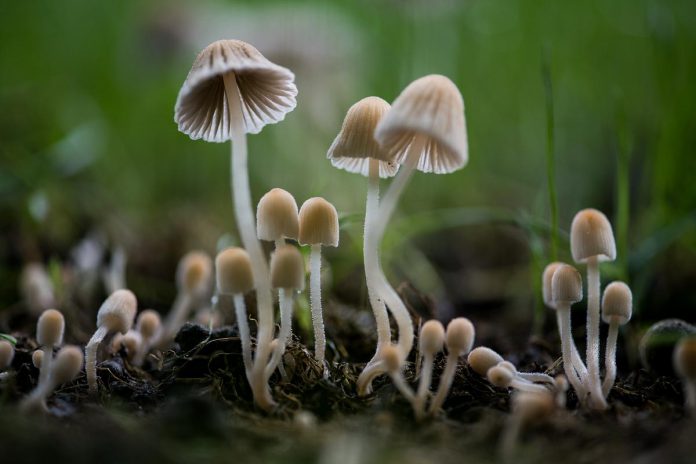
277 216
67 364
392 358
50 328
617 303
431 107
149 322
432 337
460 336
267 91
483 358
546 283
318 223
118 311
685 358
566 285
233 271
500 376
591 235
532 406
6 354
355 144
287 268
194 272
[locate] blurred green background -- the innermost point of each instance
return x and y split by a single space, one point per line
88 142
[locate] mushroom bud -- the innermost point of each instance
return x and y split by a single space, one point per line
7 352
277 217
504 375
617 306
393 362
685 367
64 369
430 342
49 334
149 325
527 408
483 358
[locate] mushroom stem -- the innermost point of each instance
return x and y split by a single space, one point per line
91 357
240 312
610 358
176 317
523 385
424 385
592 382
536 377
446 380
563 311
575 359
401 385
46 362
286 301
372 370
315 303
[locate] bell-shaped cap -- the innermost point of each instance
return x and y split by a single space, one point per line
277 216
67 365
432 108
318 223
460 336
148 324
591 235
287 268
118 311
483 358
566 285
617 303
233 271
355 144
194 272
267 91
432 337
500 376
6 354
546 283
50 328
685 358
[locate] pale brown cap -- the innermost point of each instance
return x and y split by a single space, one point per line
276 216
392 358
500 376
566 285
50 328
267 91
287 268
131 341
591 235
37 358
194 272
118 311
432 337
433 108
546 283
6 354
533 406
355 144
508 365
149 322
318 223
233 271
483 358
617 303
685 358
67 364
460 336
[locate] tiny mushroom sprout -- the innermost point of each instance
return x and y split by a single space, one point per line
148 326
49 335
505 375
591 242
425 130
355 150
430 342
115 315
393 361
459 340
234 277
277 217
528 408
483 358
232 90
7 352
288 276
64 369
685 365
37 358
318 227
617 307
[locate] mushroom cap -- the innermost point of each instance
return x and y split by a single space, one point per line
500 376
591 235
566 285
508 365
483 358
617 303
7 352
287 268
685 358
431 107
131 342
460 336
532 406
560 383
37 358
118 311
194 272
432 337
233 271
546 283
318 223
149 322
355 144
276 216
392 358
50 328
267 91
67 364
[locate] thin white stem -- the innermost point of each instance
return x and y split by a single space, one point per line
36 401
575 358
536 377
446 380
563 312
522 385
240 312
610 358
244 215
286 302
402 386
424 385
91 357
177 316
46 363
374 369
315 303
593 385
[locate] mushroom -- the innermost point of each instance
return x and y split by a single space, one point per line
527 408
684 361
7 352
617 307
355 150
430 342
288 276
116 314
231 90
37 358
505 375
318 226
49 335
234 276
425 130
393 361
148 326
481 359
64 369
591 242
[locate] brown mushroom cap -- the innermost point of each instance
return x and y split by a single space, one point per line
432 337
50 328
118 311
546 282
233 271
267 91
591 235
318 223
685 358
149 322
483 358
6 354
433 108
287 268
277 216
194 272
67 364
566 285
617 303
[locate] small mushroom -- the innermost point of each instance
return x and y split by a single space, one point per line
504 375
64 369
617 307
528 408
149 326
430 342
36 288
482 358
277 217
685 366
49 334
37 358
7 353
393 361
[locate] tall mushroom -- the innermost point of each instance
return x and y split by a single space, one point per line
231 90
617 307
318 227
425 130
355 150
430 342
